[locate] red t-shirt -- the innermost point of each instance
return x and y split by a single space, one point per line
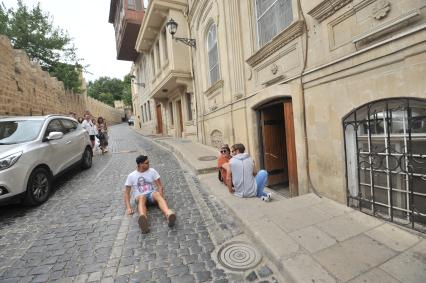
220 161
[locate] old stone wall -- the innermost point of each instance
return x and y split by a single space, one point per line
25 89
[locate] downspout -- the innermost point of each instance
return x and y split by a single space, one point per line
305 132
191 56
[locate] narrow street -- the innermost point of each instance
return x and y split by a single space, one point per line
81 234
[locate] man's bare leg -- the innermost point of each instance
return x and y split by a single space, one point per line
162 204
143 218
142 205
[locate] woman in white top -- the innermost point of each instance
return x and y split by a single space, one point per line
88 125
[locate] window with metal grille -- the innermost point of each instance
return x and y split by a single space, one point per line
272 16
213 57
385 146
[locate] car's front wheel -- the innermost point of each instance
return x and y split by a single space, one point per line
38 187
86 159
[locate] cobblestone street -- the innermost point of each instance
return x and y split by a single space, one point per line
82 235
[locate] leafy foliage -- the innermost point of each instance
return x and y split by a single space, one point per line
33 31
127 92
108 89
107 98
3 19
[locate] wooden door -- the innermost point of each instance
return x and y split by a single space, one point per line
159 119
179 109
274 144
291 148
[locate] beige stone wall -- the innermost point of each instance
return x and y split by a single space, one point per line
27 90
353 59
356 51
405 77
354 56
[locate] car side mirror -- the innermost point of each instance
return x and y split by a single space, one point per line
55 136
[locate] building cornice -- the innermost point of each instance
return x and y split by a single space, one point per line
290 33
327 8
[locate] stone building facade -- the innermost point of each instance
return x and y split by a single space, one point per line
28 90
327 95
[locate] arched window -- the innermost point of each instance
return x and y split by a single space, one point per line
213 58
385 145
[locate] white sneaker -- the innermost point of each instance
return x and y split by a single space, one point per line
265 198
269 195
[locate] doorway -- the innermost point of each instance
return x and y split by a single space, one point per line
179 109
278 151
159 119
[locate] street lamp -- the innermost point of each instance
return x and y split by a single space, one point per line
172 26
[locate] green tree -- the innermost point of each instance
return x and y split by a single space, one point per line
127 92
107 98
33 30
3 19
119 89
104 85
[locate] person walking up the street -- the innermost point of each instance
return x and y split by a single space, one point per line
102 134
88 125
140 191
242 178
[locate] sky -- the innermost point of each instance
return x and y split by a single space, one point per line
86 21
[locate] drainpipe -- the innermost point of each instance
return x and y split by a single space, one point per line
192 55
305 132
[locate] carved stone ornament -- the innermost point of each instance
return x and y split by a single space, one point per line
216 138
249 73
381 9
274 68
238 96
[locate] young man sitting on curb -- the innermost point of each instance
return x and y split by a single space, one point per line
140 191
246 183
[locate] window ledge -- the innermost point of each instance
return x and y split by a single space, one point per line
217 85
327 8
280 40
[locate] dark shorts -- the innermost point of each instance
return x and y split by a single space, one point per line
92 137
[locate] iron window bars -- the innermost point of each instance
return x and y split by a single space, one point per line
385 153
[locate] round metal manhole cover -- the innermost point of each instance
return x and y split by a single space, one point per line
239 256
207 158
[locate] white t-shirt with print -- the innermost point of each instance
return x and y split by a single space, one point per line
142 183
89 127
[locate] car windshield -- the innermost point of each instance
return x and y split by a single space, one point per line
19 131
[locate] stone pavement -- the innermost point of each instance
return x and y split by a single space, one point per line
81 234
313 239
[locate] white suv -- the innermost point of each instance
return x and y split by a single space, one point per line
35 149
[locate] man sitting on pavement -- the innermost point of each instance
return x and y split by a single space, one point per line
140 191
242 178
